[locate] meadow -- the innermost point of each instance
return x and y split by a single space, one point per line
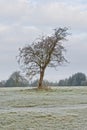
61 108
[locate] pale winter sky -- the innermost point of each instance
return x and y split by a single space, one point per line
22 21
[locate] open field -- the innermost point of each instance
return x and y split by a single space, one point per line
58 109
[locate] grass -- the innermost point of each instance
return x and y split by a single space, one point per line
56 109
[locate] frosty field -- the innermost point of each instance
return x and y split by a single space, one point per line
62 108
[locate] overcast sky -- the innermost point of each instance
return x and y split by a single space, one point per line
22 21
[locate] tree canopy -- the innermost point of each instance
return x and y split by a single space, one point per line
45 52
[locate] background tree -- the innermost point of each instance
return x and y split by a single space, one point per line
77 79
16 80
43 53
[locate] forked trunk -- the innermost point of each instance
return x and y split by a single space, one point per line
40 86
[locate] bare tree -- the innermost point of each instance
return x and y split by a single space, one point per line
45 52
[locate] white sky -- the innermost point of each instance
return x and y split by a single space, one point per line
22 21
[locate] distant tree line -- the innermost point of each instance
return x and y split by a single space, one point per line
45 83
78 79
18 80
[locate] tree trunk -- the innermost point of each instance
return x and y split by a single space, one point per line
40 86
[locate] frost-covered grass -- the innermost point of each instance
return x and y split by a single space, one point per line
56 109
